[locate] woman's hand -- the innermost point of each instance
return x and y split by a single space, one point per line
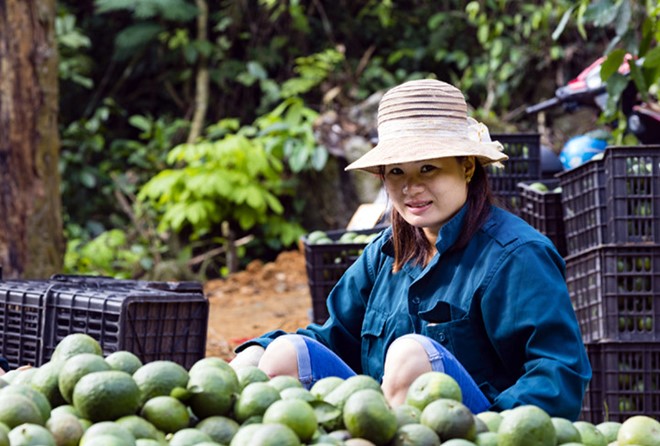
249 356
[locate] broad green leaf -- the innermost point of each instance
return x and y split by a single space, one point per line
136 36
436 20
623 16
179 153
246 219
648 28
562 23
652 58
273 203
584 4
254 198
88 179
298 156
256 70
205 184
640 82
612 63
616 84
483 33
319 157
601 12
174 217
162 183
196 212
325 412
140 122
497 49
472 9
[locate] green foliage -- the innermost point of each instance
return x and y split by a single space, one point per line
174 10
311 70
237 175
508 39
277 65
287 133
95 170
109 254
74 65
622 18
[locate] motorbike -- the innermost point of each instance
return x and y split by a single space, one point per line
588 90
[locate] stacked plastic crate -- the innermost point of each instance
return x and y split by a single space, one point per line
327 262
542 209
154 320
612 223
524 164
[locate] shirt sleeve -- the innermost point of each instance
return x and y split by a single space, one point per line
346 304
532 325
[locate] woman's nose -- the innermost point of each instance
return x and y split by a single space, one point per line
411 186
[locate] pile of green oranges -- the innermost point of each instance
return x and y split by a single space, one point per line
82 398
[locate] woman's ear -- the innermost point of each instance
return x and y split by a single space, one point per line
469 165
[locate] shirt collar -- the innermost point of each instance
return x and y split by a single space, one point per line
451 230
446 237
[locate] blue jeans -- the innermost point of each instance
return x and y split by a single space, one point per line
316 361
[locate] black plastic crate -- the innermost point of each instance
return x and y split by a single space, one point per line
543 211
584 203
326 263
524 164
614 200
633 194
154 320
615 291
625 382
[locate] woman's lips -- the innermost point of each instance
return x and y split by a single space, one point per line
418 207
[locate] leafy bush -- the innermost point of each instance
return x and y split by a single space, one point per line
109 254
240 176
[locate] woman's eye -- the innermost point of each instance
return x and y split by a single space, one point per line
396 171
427 168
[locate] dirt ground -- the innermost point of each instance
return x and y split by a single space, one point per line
266 296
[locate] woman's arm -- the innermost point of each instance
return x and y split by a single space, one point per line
532 325
346 307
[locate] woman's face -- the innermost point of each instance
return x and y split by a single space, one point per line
429 193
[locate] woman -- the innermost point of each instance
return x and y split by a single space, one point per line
454 285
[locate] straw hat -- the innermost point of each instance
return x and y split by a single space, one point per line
427 119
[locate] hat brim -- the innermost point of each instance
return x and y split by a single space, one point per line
400 150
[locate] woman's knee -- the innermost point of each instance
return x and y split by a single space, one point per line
280 358
406 359
407 354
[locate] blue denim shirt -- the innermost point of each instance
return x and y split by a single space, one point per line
500 305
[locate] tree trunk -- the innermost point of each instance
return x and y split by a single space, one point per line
31 237
202 83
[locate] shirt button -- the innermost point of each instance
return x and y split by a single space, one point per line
415 300
442 337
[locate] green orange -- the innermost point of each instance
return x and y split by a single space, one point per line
254 400
367 415
294 413
166 413
108 395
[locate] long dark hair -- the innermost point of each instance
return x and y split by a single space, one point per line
410 243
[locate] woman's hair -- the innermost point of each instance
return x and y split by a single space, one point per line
410 243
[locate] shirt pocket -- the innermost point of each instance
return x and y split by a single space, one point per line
373 343
470 348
